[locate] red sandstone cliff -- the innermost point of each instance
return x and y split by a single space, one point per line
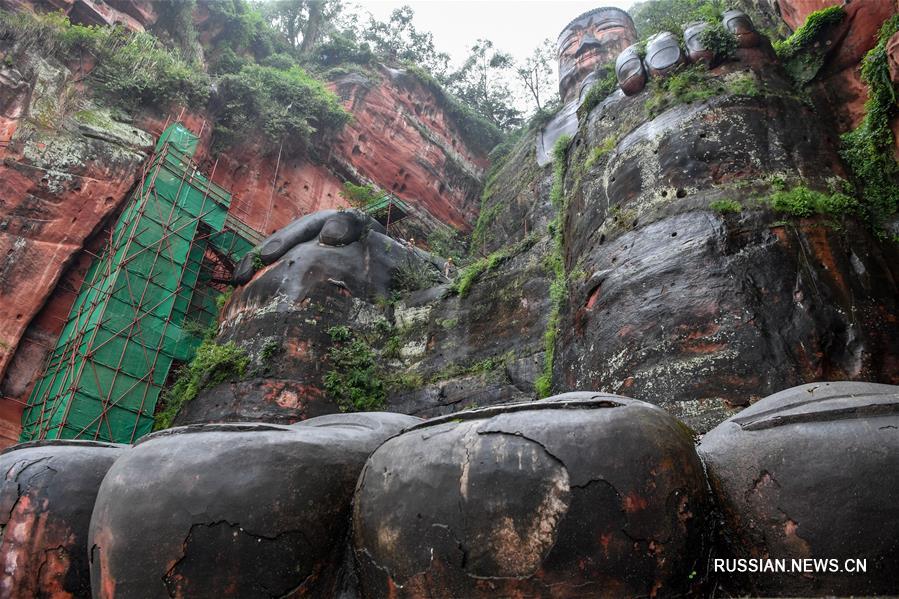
66 172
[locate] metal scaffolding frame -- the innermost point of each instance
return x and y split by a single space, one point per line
142 302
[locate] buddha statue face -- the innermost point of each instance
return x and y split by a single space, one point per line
588 42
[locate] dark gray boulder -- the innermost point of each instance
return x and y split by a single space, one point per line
46 498
810 472
232 510
584 494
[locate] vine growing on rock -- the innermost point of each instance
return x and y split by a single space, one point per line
558 289
473 271
211 365
353 381
802 201
132 68
868 150
801 54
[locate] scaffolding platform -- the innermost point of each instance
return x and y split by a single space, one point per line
143 303
387 210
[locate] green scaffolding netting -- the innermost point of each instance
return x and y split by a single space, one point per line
141 304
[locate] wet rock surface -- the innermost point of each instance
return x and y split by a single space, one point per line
701 310
326 269
533 500
46 498
809 473
242 510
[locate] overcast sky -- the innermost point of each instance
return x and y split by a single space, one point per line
515 26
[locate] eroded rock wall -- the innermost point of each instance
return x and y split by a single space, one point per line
703 310
65 170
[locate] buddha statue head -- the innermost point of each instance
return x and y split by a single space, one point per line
588 42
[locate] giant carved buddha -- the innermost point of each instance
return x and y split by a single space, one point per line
588 42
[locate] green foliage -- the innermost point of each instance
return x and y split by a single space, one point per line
560 151
175 27
558 289
719 40
742 84
132 68
484 366
404 381
481 83
227 62
360 195
798 53
691 84
279 60
353 380
269 351
802 201
725 206
258 264
243 29
478 132
285 106
600 90
868 150
223 298
211 365
468 275
414 274
342 49
600 151
485 218
446 242
653 16
815 24
398 40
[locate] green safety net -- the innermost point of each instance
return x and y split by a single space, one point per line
141 304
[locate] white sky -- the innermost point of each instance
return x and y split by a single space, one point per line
514 26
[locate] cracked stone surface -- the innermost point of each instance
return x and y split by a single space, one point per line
580 495
326 269
810 472
233 510
699 311
47 494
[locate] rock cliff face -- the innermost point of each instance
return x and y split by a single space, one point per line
131 14
68 167
62 175
675 302
401 139
687 285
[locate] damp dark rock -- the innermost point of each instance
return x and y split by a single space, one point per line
233 510
810 473
583 494
46 498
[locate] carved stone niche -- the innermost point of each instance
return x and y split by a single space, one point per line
588 42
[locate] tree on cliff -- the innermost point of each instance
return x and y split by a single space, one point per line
482 83
653 16
536 74
300 21
398 40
